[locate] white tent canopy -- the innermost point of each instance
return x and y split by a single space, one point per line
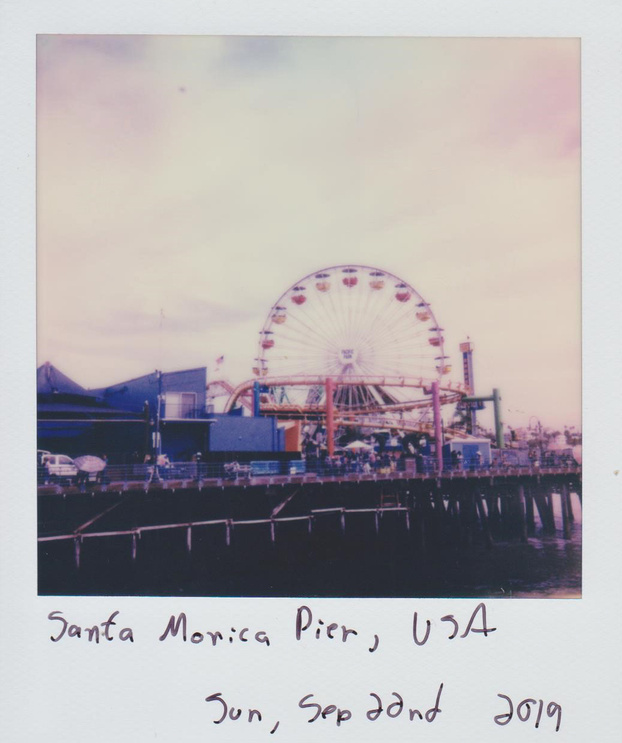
358 445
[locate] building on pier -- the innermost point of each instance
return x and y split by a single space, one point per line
120 420
471 452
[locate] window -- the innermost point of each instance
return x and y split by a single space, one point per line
180 405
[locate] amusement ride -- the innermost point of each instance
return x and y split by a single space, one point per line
351 346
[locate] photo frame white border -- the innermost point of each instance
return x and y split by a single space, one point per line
555 647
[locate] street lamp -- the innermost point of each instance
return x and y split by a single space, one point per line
538 429
155 473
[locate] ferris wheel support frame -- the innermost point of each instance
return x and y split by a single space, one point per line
330 420
438 425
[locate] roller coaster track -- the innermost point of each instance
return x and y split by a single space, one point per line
221 387
450 392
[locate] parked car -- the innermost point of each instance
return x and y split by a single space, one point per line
59 467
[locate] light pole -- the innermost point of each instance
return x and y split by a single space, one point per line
156 444
538 430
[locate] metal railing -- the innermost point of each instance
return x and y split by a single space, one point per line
307 469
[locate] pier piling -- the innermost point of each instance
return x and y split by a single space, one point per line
483 517
521 512
563 496
529 513
569 504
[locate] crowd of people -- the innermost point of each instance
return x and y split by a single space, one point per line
361 461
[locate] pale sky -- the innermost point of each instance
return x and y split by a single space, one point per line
203 176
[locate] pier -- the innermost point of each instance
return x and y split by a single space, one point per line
277 535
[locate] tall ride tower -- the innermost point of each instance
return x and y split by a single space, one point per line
466 349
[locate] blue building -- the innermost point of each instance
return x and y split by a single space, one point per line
121 420
72 420
182 394
235 433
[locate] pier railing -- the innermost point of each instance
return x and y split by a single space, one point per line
263 471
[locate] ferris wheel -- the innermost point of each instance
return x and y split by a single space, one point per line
367 329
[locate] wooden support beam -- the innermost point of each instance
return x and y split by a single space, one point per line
521 512
544 511
569 503
492 501
563 496
483 519
529 513
541 508
504 513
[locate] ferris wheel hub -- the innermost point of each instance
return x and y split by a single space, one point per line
348 357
